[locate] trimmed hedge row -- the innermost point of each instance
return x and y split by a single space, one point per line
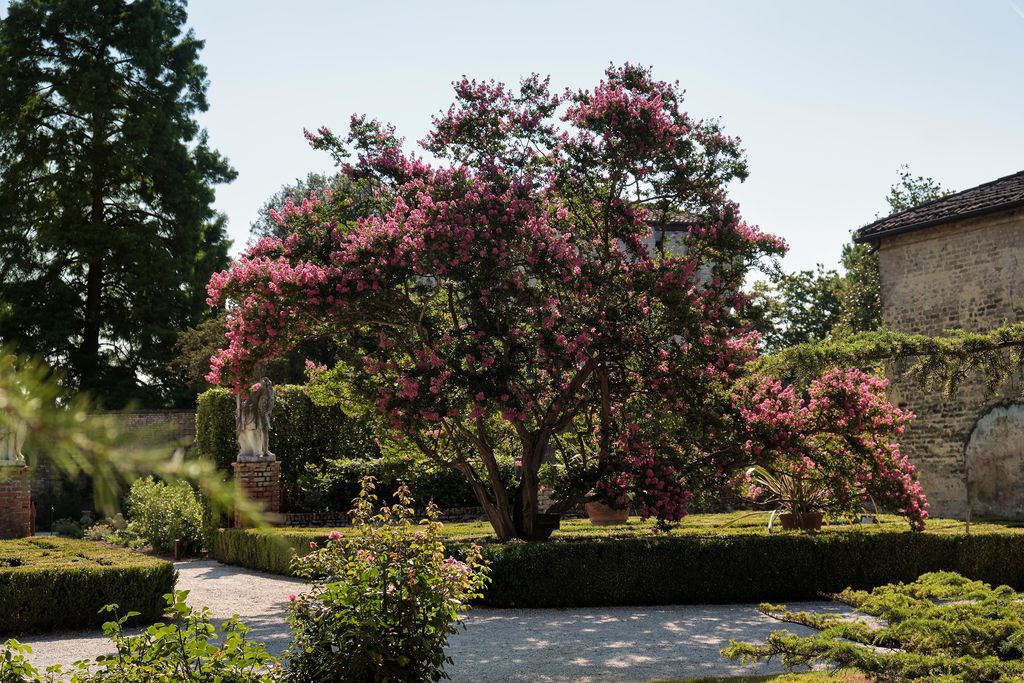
690 569
51 583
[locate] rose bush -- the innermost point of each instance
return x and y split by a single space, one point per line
383 600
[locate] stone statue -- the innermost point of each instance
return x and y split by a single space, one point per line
252 421
12 438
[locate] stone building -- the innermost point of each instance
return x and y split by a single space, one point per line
958 262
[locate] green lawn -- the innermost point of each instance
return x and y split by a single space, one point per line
741 523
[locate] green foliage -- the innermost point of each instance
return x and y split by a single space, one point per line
55 583
188 650
794 308
351 198
859 292
107 231
161 513
302 434
384 599
930 361
68 527
941 627
859 289
333 485
699 562
73 440
910 191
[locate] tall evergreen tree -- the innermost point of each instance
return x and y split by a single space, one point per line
107 233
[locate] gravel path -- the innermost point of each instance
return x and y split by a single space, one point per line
613 644
258 599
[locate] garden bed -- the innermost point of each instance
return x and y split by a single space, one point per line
702 561
51 583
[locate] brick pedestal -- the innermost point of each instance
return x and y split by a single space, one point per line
261 483
15 502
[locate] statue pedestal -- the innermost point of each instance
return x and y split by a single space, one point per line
15 501
261 483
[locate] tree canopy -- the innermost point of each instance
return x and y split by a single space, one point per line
512 298
107 234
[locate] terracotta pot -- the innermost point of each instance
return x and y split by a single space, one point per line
807 521
603 515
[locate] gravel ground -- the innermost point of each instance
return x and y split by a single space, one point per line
624 644
258 599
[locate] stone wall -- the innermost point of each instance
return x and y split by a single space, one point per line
970 275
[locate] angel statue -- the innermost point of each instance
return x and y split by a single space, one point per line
252 421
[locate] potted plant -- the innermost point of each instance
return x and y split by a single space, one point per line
603 514
800 501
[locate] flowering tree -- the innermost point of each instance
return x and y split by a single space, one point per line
510 297
839 440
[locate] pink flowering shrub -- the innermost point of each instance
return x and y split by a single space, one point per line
512 298
384 599
839 440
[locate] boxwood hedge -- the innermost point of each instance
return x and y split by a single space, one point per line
694 568
51 583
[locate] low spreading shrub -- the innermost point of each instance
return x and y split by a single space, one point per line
49 583
188 649
695 566
941 627
161 513
384 598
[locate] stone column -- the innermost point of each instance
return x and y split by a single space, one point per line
15 501
260 481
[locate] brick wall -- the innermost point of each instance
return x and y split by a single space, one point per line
970 275
15 502
261 483
158 426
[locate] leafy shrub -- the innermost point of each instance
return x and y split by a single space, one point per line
696 568
161 513
164 653
383 601
68 527
940 627
48 583
334 484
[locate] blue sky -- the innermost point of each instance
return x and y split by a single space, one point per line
828 97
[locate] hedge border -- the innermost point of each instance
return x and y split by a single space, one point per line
61 584
692 569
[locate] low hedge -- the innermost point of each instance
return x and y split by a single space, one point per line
51 583
690 568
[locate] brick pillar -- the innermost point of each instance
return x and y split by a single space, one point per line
15 501
261 483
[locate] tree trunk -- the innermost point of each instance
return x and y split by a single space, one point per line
88 365
498 515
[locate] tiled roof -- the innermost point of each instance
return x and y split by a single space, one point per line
997 195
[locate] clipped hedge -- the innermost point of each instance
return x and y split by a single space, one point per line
49 583
694 568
